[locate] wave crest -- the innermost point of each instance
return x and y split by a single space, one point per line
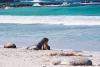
66 20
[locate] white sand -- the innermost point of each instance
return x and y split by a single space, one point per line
39 58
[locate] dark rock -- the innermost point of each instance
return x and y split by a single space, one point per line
56 62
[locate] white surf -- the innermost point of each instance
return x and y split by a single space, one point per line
66 20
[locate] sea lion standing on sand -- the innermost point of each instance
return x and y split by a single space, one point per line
43 45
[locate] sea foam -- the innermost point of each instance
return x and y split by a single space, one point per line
66 20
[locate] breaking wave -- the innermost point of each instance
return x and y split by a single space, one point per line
66 20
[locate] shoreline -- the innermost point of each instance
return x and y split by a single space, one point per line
21 57
66 20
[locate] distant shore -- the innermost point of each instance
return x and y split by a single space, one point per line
21 57
44 3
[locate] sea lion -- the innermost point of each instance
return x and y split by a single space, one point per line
9 45
43 44
75 61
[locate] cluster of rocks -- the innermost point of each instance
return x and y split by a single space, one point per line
64 54
68 53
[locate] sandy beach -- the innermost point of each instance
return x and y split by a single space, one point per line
21 57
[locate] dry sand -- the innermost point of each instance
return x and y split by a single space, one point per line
41 58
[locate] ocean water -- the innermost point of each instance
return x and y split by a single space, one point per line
93 10
70 27
78 37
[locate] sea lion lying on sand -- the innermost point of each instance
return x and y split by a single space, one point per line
9 45
73 61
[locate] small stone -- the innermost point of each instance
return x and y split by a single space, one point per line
56 62
98 64
53 54
43 66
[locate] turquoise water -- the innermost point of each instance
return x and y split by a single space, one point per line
60 36
79 37
93 10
